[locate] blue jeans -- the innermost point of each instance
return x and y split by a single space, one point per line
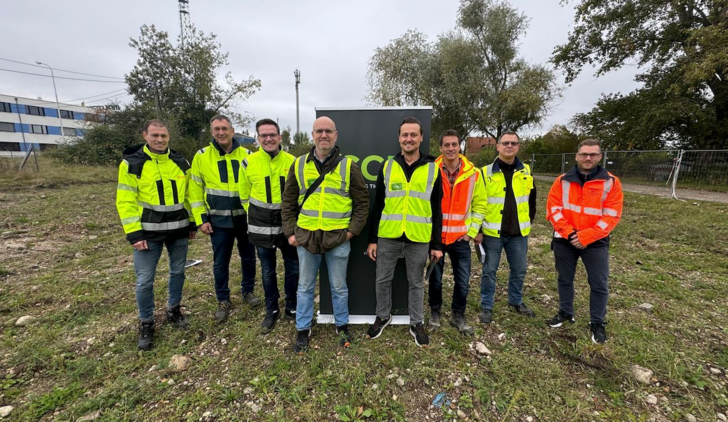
337 260
145 266
516 249
223 240
267 258
459 253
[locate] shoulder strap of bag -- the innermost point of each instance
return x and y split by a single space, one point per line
318 182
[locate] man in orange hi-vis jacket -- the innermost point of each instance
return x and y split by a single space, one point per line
584 205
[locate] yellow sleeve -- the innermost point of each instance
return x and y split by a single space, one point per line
126 204
196 190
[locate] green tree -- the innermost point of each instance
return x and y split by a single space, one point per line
471 76
301 144
681 45
286 136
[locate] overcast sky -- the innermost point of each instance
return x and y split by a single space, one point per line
330 42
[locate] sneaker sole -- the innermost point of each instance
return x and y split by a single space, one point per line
412 333
381 330
595 341
560 324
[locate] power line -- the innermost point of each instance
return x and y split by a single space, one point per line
61 70
61 77
113 97
94 96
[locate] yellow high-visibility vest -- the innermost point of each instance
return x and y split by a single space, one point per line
329 207
495 190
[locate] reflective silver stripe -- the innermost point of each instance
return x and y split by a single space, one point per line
496 200
391 217
521 199
489 170
478 216
220 192
342 173
265 205
610 212
197 204
172 225
388 174
565 185
556 209
338 192
602 224
525 225
575 208
491 226
326 214
474 225
558 216
196 178
453 216
455 229
607 188
592 211
558 236
231 213
265 230
395 193
244 163
301 181
123 186
129 220
471 186
125 162
421 195
415 219
432 168
161 208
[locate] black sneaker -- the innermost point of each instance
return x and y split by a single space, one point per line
146 332
302 341
598 333
420 335
458 321
175 317
344 336
486 317
375 330
223 311
523 310
251 299
559 320
269 321
434 319
290 314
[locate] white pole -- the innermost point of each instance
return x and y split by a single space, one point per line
58 104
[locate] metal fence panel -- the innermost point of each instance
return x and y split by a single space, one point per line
704 168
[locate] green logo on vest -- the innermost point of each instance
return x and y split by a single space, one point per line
397 186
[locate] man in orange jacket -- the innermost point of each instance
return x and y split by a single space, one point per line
463 205
584 205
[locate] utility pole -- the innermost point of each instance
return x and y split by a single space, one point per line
297 74
60 122
30 149
184 20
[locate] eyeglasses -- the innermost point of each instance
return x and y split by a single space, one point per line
268 135
322 131
509 143
592 155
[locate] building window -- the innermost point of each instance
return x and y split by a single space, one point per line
35 111
9 146
7 127
5 107
44 147
38 129
65 114
69 131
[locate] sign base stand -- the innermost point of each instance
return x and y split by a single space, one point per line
361 319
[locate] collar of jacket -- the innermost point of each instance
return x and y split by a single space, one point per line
600 173
138 154
267 156
334 153
466 167
424 159
517 162
219 149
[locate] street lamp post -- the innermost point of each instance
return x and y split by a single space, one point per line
297 74
58 104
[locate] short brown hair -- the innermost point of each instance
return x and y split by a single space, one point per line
154 122
410 120
262 122
221 117
448 132
590 143
508 132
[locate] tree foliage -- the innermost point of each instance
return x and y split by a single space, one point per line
472 76
680 44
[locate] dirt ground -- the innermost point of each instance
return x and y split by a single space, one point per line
665 192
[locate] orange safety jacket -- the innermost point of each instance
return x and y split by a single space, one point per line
591 211
464 204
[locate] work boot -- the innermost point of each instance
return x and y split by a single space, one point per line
302 341
269 321
486 317
434 319
146 332
344 336
251 299
598 332
523 310
458 321
175 317
223 311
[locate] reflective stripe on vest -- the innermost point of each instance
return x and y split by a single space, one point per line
329 207
495 187
407 208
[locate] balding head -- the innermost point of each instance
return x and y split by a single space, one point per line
324 136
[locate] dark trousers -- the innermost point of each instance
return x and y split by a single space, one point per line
459 253
222 249
596 262
267 258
